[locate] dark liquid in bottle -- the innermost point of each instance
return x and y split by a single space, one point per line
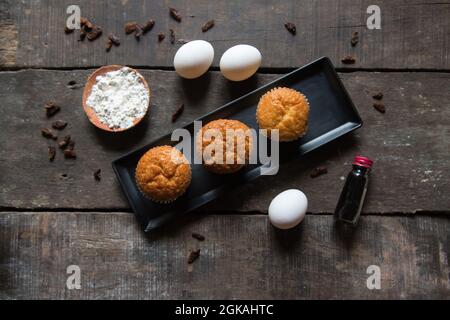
352 197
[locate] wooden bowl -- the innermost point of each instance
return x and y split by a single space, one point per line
92 116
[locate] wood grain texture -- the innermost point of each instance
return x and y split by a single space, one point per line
8 37
409 143
406 40
242 257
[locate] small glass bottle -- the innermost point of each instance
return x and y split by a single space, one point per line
352 197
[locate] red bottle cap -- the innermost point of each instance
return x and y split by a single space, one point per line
363 162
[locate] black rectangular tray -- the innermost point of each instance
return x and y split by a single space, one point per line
332 115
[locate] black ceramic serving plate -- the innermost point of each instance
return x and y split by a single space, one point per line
332 115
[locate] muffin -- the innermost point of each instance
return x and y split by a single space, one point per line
163 174
212 139
286 110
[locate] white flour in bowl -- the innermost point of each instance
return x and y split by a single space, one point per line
118 98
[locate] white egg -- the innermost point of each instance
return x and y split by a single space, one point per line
288 209
193 59
240 62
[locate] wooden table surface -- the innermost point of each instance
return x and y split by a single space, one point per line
55 214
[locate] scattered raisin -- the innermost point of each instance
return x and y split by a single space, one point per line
318 172
51 109
291 28
82 34
172 36
51 153
379 107
161 36
98 174
198 236
378 96
70 154
114 39
194 255
47 133
175 14
348 60
67 30
208 25
59 125
72 84
355 38
64 142
109 45
138 32
86 23
71 145
148 26
94 33
178 113
130 27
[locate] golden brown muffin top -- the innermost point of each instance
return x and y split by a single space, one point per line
163 173
236 148
284 109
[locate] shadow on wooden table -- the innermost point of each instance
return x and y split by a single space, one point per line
195 90
238 89
122 141
287 240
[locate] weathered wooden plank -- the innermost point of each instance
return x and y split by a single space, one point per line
8 37
409 143
413 35
242 257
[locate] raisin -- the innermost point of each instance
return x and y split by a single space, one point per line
98 174
291 28
86 23
82 34
198 236
148 26
67 30
379 107
172 36
175 14
70 154
72 84
318 172
94 33
59 125
378 96
138 32
130 27
208 25
64 142
51 153
109 45
348 60
114 39
194 255
47 133
51 109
